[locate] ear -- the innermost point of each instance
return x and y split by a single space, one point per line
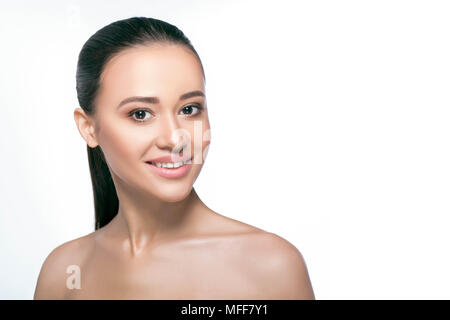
86 127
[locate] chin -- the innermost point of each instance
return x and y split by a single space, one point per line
173 193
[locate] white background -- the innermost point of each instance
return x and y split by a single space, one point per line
330 127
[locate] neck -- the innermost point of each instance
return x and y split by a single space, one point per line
143 220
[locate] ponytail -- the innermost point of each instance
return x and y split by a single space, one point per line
106 202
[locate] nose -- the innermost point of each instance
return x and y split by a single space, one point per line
170 134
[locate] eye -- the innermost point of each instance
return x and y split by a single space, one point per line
187 110
140 113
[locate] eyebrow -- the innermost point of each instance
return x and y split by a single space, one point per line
184 96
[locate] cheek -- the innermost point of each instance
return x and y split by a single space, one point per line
120 145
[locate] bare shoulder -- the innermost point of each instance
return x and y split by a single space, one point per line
51 283
271 263
276 266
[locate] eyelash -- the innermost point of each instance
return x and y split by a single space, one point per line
198 106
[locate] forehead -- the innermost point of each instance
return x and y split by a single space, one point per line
162 70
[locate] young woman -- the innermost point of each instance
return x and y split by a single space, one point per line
144 117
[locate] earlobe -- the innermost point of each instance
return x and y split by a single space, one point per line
85 127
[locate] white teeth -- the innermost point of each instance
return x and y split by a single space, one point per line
171 164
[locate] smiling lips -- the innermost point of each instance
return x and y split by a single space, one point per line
165 167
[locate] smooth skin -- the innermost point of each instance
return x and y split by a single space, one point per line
164 243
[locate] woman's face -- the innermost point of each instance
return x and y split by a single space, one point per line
172 122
